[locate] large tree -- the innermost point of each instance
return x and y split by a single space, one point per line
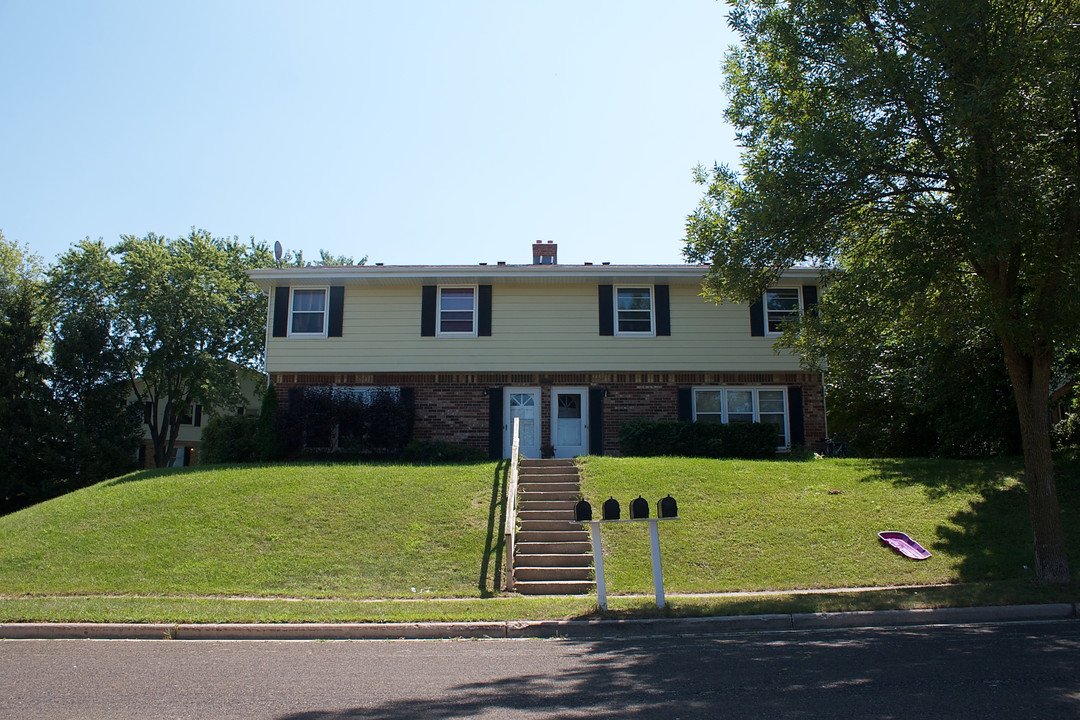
90 366
30 461
189 316
938 139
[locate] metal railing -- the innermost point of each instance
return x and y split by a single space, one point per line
511 508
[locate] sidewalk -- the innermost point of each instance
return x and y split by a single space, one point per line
569 629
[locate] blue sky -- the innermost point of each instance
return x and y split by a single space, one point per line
412 132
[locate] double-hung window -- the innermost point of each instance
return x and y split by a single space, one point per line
739 404
307 314
633 311
457 311
781 306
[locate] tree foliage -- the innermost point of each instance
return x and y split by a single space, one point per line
30 456
934 144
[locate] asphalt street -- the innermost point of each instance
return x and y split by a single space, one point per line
1010 670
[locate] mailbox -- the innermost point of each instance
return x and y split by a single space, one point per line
667 508
610 509
583 511
639 508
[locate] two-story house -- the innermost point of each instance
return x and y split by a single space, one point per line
572 350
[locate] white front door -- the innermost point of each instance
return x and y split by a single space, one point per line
524 404
569 421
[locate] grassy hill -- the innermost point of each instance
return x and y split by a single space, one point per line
185 544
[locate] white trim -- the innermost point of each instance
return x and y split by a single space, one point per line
652 310
325 312
439 332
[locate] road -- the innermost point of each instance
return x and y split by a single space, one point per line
1023 670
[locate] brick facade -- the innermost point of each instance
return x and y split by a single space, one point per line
455 407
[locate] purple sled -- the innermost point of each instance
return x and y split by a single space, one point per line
904 545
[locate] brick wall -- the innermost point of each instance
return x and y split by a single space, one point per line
454 407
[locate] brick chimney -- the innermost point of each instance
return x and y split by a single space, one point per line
545 254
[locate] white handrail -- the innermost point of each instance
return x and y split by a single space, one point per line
510 526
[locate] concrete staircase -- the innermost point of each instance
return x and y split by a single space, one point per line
552 556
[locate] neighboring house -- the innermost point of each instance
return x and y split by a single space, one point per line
189 439
573 351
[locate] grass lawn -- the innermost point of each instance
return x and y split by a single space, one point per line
311 542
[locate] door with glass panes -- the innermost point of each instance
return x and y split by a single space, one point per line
569 421
523 404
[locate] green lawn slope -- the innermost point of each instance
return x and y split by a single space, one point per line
300 542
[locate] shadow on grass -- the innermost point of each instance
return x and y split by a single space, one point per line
993 537
496 530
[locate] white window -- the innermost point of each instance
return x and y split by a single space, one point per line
781 306
633 311
457 311
738 404
308 312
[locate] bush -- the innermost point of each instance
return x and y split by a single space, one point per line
229 439
1066 433
268 445
441 452
651 438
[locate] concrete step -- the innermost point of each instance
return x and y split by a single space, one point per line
553 525
549 463
552 536
544 547
549 573
557 587
554 560
533 505
531 514
572 488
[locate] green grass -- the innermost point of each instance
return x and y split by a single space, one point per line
392 543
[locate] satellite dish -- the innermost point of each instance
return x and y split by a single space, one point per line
277 249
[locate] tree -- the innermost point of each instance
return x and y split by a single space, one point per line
29 456
90 367
189 316
939 140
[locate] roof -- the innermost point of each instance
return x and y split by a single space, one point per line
267 278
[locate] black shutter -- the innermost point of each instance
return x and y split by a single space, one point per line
198 416
596 421
495 423
483 322
795 416
684 405
281 311
142 457
336 316
757 319
427 311
809 299
187 456
663 310
148 413
606 299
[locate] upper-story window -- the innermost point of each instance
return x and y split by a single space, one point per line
457 311
308 311
781 306
633 311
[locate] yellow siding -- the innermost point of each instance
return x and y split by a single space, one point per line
537 328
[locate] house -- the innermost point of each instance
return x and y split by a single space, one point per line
189 437
573 351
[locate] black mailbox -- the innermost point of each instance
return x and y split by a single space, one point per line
639 508
583 511
667 508
610 509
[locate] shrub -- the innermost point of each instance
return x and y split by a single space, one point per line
650 438
268 444
1066 432
440 452
229 439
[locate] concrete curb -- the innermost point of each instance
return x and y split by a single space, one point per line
569 629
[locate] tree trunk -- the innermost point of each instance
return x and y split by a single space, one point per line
1030 375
